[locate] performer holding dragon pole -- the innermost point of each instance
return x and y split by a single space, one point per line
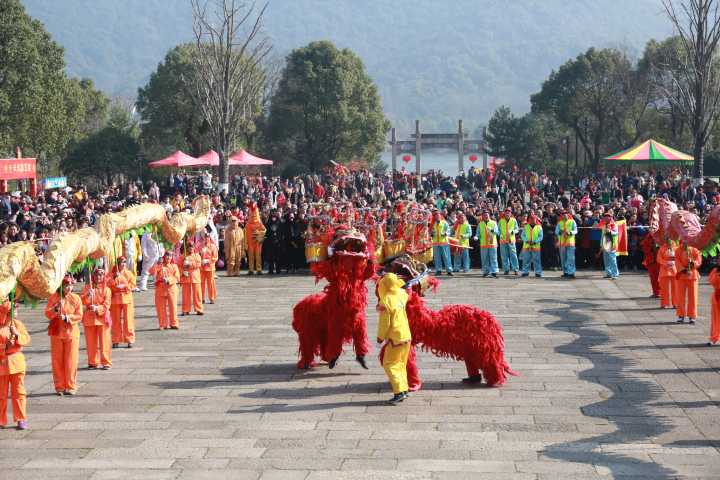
65 311
190 263
688 261
715 306
650 252
209 255
167 276
13 337
666 275
122 307
96 297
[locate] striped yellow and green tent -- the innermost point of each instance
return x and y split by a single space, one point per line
650 152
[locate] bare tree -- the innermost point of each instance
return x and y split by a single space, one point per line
696 84
229 78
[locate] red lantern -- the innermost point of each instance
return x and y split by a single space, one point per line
406 158
473 158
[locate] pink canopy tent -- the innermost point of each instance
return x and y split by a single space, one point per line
210 159
177 160
243 157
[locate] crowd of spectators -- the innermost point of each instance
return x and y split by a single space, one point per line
285 204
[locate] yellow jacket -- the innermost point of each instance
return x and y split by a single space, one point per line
393 325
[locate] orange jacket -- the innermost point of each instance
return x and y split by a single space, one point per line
190 268
715 282
208 255
12 359
70 307
666 260
121 285
684 256
100 298
167 277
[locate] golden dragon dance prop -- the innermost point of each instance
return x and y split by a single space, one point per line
19 264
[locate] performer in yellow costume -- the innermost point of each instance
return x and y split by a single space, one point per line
394 329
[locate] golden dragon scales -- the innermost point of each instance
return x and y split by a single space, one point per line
20 265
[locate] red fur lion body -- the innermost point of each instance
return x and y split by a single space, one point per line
461 332
336 316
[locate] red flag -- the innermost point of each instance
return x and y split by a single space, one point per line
622 248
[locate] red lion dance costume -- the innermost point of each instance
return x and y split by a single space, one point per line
336 316
461 332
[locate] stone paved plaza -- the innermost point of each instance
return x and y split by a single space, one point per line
609 387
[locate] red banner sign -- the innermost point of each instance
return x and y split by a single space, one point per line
17 168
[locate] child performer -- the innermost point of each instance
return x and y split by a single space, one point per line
190 263
209 256
394 329
122 307
666 275
688 261
13 336
167 276
715 307
65 311
96 297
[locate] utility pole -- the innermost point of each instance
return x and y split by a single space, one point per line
585 149
418 153
394 150
576 151
484 150
461 147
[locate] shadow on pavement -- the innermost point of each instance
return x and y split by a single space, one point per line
695 443
571 317
287 408
700 404
257 374
643 324
680 346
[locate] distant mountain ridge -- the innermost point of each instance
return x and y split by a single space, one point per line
436 60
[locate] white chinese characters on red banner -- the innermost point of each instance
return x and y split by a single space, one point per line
17 168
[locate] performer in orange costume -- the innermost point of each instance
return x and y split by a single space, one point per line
254 235
715 307
122 308
688 261
190 280
13 336
666 275
650 250
209 256
65 311
167 276
96 297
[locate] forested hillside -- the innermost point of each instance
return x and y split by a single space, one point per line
433 60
